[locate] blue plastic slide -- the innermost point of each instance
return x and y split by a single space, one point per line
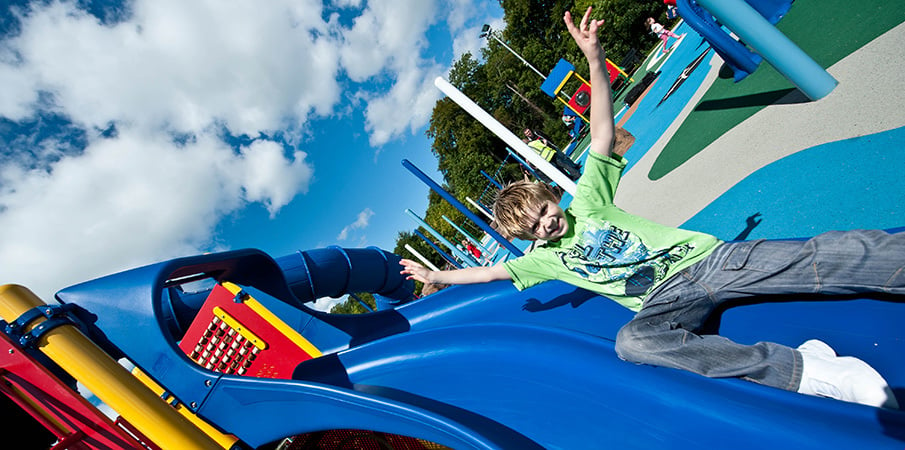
485 366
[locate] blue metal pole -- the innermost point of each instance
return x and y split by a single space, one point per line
466 258
498 185
524 163
439 250
458 205
775 47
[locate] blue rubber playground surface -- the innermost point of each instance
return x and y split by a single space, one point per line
799 167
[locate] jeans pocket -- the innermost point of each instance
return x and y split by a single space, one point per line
768 256
738 256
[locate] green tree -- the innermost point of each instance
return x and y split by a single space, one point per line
624 27
352 306
463 148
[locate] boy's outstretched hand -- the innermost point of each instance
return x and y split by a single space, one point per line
585 35
414 270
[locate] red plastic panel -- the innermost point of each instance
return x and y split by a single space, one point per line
228 336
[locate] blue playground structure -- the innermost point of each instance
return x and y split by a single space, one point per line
753 21
479 366
737 56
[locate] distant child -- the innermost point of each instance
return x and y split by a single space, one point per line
672 11
674 279
572 121
662 32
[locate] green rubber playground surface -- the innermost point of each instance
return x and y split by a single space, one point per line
827 30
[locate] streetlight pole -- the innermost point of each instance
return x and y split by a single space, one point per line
487 32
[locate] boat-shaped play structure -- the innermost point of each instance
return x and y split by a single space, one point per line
227 353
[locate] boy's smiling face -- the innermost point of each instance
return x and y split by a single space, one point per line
547 222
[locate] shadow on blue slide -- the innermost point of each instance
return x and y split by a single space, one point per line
483 366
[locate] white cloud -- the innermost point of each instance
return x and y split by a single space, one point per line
126 201
269 178
346 3
389 36
253 68
325 304
458 12
406 107
19 89
184 64
364 217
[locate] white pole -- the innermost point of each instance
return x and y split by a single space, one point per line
421 258
507 136
479 208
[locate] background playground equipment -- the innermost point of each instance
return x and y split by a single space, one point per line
460 254
505 135
580 100
502 247
477 366
446 256
752 21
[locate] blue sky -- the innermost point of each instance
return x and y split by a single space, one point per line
133 132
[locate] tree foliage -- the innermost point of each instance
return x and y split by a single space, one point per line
624 27
352 306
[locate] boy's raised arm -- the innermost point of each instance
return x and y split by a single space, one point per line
601 127
468 275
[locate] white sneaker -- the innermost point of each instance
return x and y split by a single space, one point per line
844 378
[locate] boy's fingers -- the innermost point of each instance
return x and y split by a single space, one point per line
569 24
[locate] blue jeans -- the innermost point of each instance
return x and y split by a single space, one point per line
665 331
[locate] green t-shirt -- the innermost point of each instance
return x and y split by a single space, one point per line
607 250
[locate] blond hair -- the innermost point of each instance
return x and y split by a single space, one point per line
514 202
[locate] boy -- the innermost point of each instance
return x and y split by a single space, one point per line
674 279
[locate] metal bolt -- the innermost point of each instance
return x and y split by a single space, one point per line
208 383
193 405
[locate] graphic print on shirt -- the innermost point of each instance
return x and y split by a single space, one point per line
606 254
